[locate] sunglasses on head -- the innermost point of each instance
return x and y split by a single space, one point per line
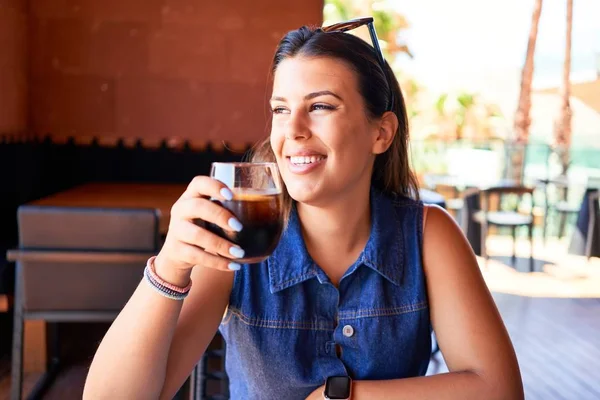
355 23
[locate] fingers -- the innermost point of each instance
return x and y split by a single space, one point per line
189 233
204 186
206 210
188 243
194 255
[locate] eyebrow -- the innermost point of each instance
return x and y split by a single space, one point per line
311 96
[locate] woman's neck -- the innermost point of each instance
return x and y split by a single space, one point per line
341 228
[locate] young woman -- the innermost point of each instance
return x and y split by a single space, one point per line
361 274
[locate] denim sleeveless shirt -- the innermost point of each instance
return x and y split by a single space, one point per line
285 317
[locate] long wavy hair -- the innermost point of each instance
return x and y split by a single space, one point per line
392 174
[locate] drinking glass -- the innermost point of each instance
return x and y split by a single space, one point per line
257 203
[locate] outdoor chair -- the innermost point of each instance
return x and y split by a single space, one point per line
509 201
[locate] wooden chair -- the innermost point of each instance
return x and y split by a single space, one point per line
453 200
511 218
75 264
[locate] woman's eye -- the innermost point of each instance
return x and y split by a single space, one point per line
278 110
320 106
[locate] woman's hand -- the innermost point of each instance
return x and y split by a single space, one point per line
188 244
317 394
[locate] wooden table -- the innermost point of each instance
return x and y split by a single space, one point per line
119 195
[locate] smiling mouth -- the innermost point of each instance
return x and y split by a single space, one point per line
306 160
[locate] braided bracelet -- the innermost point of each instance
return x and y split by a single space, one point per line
164 291
164 288
152 272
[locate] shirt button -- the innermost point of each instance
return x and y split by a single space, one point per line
348 331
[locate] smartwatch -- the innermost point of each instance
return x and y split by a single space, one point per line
338 387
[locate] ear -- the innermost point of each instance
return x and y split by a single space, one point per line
386 130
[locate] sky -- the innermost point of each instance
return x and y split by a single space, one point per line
468 43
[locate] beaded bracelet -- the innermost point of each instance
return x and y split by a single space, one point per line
163 291
152 272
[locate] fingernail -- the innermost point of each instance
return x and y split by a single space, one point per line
234 266
235 224
226 193
236 252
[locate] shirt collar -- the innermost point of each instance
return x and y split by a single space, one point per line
291 264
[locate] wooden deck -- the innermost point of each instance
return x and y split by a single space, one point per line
557 342
552 315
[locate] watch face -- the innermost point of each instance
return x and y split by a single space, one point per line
338 387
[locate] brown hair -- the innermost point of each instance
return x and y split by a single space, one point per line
391 172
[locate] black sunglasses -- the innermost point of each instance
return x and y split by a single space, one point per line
355 23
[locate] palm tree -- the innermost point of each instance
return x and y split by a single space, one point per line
562 124
522 118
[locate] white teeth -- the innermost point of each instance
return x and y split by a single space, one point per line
305 159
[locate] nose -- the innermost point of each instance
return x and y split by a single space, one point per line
297 126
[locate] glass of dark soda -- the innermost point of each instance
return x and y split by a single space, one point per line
257 203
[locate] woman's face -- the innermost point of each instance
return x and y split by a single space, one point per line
322 139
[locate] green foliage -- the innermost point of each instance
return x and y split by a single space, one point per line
466 100
388 23
337 10
440 104
384 23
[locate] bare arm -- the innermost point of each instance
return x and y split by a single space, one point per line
198 322
131 361
154 343
469 330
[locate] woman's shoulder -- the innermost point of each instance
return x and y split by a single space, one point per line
438 224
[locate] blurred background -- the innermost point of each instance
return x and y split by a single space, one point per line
113 105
